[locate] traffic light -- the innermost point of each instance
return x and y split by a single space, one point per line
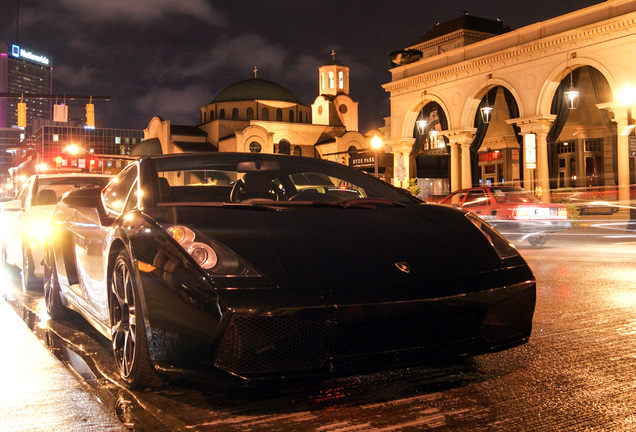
58 161
91 165
90 115
22 114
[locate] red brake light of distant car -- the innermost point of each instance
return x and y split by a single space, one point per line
521 213
539 213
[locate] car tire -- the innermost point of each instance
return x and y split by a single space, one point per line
29 281
52 298
128 331
538 240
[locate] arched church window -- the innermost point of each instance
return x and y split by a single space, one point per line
264 114
330 80
235 114
341 79
255 147
250 113
297 151
284 147
212 118
279 114
291 116
222 114
300 117
322 81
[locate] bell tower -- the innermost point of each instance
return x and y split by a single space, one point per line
333 106
333 78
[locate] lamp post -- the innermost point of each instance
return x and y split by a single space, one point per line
376 143
627 99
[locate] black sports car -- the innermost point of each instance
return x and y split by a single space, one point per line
266 266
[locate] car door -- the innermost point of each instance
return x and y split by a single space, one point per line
91 231
478 202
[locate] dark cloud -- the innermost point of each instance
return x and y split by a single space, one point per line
168 57
140 11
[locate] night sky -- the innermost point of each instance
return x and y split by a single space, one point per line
169 57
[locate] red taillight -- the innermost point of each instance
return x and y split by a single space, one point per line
539 213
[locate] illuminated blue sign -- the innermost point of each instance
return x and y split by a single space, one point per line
18 52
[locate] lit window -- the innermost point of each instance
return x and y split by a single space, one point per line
117 140
330 79
56 138
341 79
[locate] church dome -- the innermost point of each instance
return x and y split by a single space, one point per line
255 89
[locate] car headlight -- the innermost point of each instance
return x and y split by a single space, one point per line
203 254
213 257
503 247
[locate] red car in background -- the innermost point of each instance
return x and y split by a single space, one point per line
515 213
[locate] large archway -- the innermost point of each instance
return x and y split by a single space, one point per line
429 155
582 139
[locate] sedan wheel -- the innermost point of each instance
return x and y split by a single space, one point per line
52 298
29 281
130 346
538 239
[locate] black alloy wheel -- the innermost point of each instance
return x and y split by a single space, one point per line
52 298
29 281
130 346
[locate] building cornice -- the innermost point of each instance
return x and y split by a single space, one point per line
519 46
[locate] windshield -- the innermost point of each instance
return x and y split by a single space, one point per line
49 190
262 179
513 195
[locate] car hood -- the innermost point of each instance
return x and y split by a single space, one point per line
334 246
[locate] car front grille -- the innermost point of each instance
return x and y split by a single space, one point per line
260 345
510 318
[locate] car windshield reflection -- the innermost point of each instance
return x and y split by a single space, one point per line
286 182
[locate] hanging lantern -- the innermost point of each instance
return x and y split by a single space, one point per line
572 96
421 125
486 113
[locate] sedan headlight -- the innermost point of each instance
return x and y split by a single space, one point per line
213 257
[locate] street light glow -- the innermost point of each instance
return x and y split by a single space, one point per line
72 149
376 142
627 96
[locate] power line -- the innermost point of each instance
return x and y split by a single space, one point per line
53 96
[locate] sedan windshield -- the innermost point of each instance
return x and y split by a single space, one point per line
513 195
263 179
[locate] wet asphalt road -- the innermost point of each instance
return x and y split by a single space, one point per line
577 373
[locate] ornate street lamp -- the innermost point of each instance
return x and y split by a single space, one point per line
421 125
572 95
376 143
486 110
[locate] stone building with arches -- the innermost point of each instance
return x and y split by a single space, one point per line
257 115
533 137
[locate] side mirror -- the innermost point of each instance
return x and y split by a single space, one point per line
13 205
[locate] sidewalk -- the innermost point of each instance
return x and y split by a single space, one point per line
37 392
